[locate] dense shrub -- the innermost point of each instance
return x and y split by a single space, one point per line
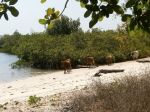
64 26
45 51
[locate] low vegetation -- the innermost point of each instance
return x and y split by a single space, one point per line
130 94
33 100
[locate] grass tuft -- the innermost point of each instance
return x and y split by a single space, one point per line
129 94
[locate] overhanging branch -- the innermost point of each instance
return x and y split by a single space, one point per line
64 8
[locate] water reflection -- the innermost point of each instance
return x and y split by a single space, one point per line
9 74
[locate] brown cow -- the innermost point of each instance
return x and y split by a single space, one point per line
67 65
109 59
89 60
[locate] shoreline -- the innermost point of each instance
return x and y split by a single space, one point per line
58 82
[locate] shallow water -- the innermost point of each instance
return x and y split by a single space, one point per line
8 74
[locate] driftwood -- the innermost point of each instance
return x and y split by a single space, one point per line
143 61
85 66
105 71
82 66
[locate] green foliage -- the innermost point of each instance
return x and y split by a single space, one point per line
100 9
20 64
7 5
87 13
97 9
33 100
43 1
12 2
13 11
7 42
63 26
42 21
51 15
47 51
139 18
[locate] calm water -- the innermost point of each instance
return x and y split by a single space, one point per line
9 74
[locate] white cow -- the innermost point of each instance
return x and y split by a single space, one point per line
135 55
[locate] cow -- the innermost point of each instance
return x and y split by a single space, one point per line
109 59
89 61
66 65
134 55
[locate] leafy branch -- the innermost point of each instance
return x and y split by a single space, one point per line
7 5
51 15
64 7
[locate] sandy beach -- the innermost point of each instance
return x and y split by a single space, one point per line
58 82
